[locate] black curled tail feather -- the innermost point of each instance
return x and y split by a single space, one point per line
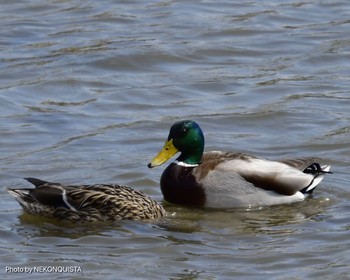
315 169
318 172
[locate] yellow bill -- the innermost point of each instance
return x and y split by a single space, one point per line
167 152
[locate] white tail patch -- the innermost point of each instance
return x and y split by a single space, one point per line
317 179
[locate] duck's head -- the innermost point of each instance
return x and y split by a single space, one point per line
185 137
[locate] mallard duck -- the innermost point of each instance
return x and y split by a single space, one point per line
86 203
227 179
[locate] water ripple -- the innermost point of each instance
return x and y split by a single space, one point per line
89 90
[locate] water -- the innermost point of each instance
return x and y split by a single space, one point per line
89 90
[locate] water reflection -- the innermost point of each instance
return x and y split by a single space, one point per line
266 220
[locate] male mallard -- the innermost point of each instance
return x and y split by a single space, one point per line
86 203
227 179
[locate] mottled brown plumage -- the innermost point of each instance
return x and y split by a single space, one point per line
86 203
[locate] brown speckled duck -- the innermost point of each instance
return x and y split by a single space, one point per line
230 180
86 203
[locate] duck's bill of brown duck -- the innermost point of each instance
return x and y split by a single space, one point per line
165 153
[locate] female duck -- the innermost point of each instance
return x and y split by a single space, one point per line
86 203
227 179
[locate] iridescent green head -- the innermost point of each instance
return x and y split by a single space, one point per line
185 137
